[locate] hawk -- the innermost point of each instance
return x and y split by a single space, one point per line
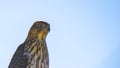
33 53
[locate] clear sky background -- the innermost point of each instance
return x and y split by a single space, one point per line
84 33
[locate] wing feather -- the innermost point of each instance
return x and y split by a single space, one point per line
18 60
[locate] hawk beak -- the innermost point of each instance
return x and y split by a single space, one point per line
48 29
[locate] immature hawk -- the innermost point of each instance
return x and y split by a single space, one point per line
33 53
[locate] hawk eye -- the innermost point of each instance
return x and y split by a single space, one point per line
40 26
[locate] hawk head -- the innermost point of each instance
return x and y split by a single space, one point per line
39 30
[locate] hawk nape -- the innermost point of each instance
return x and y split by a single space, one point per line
33 53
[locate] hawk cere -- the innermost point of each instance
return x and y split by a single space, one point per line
33 53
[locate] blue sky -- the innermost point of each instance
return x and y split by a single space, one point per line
84 33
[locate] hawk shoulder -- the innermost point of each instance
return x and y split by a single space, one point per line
18 60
